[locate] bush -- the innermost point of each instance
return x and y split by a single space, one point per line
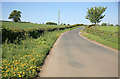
25 59
117 25
91 25
64 24
111 25
51 23
103 24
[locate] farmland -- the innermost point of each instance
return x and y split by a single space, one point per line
107 35
14 25
12 31
25 57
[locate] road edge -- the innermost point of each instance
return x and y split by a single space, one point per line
98 43
48 56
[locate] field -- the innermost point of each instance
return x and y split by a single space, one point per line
107 35
107 28
15 25
12 31
25 57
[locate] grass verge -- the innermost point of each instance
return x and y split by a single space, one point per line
100 40
106 35
26 58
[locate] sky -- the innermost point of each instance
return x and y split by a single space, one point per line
70 12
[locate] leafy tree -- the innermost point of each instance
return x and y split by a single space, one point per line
117 25
15 15
103 24
68 24
111 25
95 14
64 24
51 23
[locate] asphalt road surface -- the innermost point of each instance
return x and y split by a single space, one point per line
74 56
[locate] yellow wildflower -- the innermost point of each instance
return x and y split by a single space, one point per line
19 75
33 50
23 72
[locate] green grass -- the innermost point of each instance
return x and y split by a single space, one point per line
17 25
106 35
17 30
101 40
0 61
107 28
26 58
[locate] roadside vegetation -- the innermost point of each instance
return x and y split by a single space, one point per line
26 25
25 45
106 35
25 48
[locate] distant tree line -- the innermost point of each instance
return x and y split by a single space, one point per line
94 14
107 24
51 23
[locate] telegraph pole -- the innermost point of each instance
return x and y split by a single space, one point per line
58 19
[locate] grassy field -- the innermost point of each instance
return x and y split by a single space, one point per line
24 59
17 25
107 28
16 30
107 35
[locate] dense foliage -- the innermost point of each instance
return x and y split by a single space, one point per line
95 14
15 15
12 31
105 35
103 24
51 23
25 58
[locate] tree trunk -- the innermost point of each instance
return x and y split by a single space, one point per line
95 23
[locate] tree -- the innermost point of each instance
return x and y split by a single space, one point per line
95 14
111 25
51 23
117 25
68 24
64 24
103 24
15 15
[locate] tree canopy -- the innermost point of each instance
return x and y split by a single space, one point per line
94 14
51 23
15 15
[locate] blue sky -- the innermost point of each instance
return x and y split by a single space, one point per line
70 12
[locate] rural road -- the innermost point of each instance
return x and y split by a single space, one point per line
74 56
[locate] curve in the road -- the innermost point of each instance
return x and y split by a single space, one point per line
74 56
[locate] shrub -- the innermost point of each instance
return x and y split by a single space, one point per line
51 23
103 24
64 24
25 59
117 25
91 25
111 25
